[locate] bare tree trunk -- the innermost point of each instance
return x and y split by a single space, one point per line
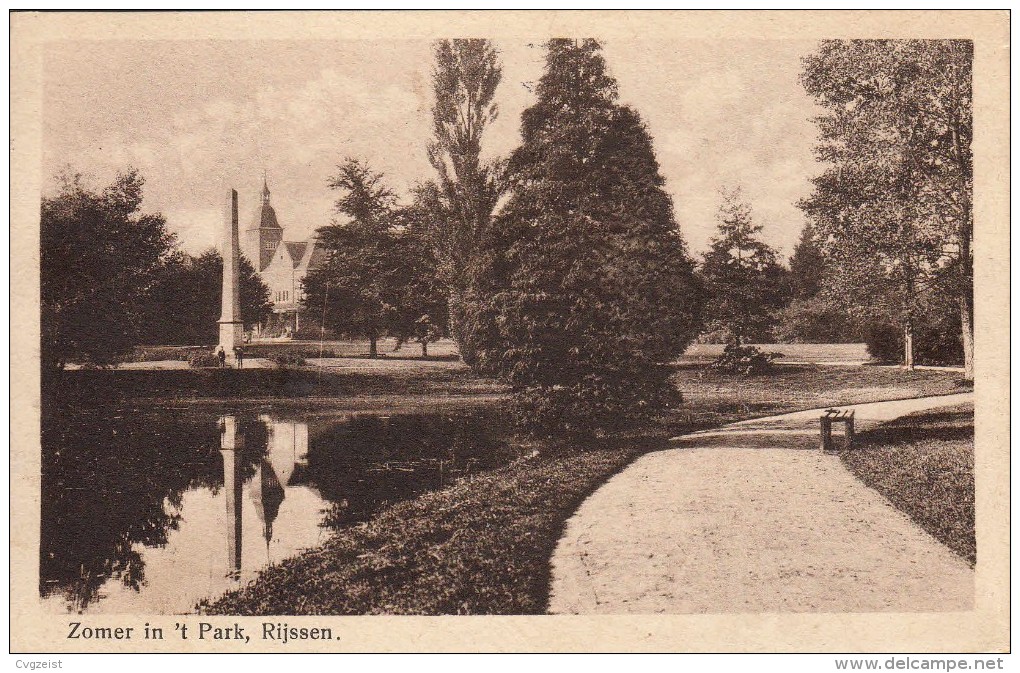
967 305
424 349
908 343
373 350
967 321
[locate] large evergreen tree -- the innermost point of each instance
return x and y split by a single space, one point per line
585 291
807 266
743 277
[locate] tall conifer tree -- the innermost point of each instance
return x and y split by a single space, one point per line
744 279
464 195
807 266
587 291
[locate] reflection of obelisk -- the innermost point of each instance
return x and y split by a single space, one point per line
230 443
231 324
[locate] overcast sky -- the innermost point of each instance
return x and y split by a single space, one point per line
197 117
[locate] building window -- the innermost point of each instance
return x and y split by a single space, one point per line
269 245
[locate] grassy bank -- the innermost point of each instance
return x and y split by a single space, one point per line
711 398
482 546
924 465
292 384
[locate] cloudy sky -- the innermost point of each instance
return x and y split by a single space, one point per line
197 117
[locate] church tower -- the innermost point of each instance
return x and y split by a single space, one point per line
265 233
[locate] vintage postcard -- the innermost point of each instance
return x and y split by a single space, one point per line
510 331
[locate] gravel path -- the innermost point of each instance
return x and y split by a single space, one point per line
752 517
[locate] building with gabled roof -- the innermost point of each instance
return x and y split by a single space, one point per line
281 264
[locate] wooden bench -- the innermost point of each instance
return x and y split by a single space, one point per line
845 416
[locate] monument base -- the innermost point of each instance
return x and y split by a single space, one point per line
231 335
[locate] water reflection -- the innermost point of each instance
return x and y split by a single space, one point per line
151 513
230 443
286 449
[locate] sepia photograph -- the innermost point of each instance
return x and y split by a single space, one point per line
682 323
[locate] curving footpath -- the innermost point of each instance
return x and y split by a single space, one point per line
752 517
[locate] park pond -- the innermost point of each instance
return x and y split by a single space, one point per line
150 511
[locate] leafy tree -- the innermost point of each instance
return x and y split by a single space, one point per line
183 305
255 304
744 280
585 291
99 256
816 320
894 204
356 289
935 325
422 308
812 316
465 77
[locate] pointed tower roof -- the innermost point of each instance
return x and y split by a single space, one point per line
265 217
267 495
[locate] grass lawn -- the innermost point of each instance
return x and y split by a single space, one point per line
924 465
440 350
447 349
841 353
482 545
712 399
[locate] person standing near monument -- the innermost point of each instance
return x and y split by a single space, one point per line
221 355
239 356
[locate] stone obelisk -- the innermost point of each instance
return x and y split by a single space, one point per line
231 323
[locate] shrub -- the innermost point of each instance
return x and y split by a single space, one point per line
744 360
885 342
593 406
199 359
815 320
311 331
150 353
286 359
717 335
937 341
940 338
